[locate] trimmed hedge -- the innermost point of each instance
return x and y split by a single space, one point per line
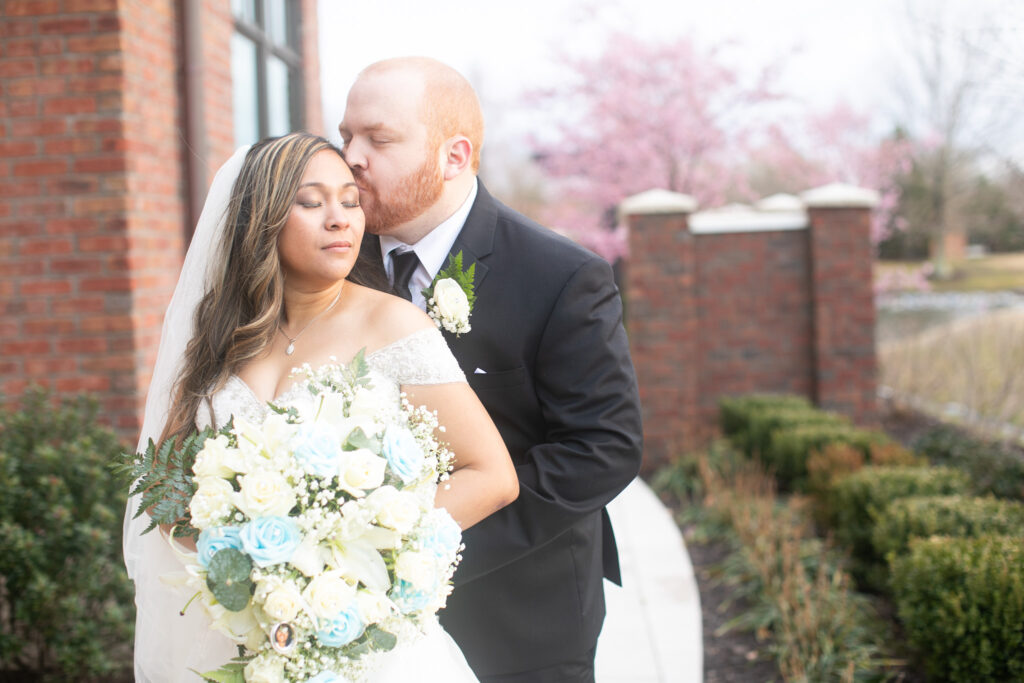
737 415
960 516
994 467
855 502
790 447
962 605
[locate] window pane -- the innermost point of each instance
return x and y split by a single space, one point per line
244 91
275 21
244 9
279 120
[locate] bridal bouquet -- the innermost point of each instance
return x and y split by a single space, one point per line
318 541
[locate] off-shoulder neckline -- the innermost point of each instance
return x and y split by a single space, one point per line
423 331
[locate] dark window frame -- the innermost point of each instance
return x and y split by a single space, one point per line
287 53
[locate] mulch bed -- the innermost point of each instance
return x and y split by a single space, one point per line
738 656
735 656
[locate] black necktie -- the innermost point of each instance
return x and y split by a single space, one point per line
403 265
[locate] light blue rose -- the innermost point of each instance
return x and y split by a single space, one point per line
443 539
404 455
215 539
317 449
342 629
270 540
326 677
408 598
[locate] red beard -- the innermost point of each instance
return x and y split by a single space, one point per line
413 195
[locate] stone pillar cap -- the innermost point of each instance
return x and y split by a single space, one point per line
840 196
657 202
780 202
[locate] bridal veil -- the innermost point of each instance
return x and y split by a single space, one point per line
167 644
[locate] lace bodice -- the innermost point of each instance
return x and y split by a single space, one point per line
420 358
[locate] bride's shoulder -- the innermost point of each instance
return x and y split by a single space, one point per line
391 318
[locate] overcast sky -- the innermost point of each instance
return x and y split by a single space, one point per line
832 49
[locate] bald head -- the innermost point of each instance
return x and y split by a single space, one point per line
449 105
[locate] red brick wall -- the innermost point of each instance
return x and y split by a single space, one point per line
844 311
65 288
93 185
754 318
663 330
216 29
154 183
725 313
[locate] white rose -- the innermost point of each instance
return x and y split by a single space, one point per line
368 402
373 607
360 470
329 594
283 603
417 568
211 503
450 300
265 669
395 509
308 558
212 460
264 494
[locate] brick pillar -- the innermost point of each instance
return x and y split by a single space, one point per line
661 319
842 299
154 182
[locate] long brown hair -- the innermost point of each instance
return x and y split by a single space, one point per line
238 316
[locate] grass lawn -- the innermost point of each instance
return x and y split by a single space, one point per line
996 272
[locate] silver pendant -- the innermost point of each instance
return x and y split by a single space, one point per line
290 350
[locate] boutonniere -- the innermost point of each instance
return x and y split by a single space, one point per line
450 296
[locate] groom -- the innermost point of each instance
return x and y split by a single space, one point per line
547 355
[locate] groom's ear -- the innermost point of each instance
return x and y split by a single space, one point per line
458 153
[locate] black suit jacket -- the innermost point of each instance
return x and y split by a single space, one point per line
559 384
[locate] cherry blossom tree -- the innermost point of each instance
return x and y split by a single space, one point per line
837 145
646 115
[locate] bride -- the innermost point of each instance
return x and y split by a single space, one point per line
273 280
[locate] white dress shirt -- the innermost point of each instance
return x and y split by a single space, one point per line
432 250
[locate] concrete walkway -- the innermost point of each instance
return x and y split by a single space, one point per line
652 633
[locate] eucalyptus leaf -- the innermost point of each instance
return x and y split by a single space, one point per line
228 578
358 439
383 641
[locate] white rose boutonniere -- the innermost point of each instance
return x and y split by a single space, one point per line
450 296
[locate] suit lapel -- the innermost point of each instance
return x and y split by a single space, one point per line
476 239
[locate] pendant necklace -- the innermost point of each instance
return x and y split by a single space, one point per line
291 340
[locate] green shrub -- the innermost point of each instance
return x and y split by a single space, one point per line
737 412
765 423
679 482
65 597
994 467
856 501
962 605
921 517
790 447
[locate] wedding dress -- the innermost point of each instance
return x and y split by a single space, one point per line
421 358
171 643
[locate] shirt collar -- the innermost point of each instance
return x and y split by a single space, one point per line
434 247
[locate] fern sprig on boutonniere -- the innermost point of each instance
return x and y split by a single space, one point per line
450 296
